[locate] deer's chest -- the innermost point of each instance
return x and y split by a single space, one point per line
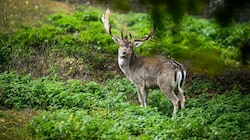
124 66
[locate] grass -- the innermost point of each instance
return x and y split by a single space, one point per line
18 13
14 124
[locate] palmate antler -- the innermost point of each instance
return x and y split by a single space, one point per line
105 21
107 26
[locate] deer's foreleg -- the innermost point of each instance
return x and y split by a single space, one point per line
142 95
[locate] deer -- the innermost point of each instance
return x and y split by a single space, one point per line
148 72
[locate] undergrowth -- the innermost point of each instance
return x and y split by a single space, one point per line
91 110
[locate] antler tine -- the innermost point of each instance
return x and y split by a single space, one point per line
148 36
131 37
110 32
121 34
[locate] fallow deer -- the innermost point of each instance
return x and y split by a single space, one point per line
146 72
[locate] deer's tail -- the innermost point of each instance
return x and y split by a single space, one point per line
181 78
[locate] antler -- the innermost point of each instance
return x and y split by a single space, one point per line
105 21
147 36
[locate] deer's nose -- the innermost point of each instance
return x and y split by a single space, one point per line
124 52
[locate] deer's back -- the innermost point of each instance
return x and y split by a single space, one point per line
148 71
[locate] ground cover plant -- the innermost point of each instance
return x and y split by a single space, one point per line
108 111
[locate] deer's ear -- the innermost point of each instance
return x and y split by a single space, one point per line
116 39
137 43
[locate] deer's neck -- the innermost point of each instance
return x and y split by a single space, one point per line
126 64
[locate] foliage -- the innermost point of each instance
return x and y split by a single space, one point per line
107 111
222 116
80 37
213 119
201 42
5 51
61 35
48 93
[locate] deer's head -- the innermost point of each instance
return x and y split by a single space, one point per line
126 45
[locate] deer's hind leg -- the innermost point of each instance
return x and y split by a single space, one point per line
181 97
170 94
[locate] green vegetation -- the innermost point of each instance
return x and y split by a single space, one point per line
94 111
79 39
59 78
